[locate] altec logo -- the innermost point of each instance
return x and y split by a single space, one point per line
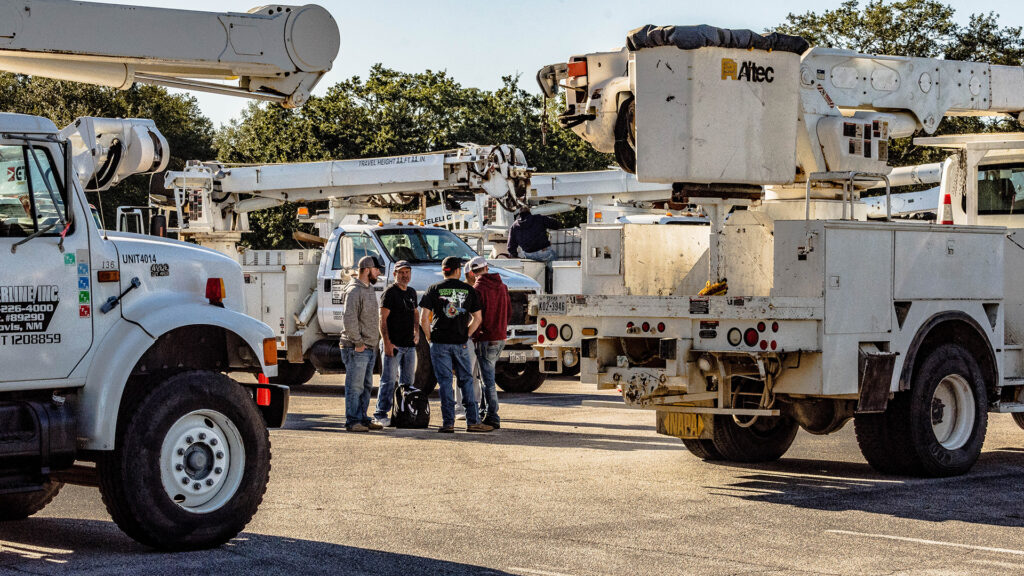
748 71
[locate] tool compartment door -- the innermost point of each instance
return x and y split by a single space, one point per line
858 280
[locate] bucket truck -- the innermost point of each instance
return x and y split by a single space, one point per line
298 292
114 348
799 313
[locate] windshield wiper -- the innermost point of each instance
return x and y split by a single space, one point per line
66 224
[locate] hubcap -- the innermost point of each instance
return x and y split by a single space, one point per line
952 412
201 461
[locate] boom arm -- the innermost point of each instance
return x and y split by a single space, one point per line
276 52
217 198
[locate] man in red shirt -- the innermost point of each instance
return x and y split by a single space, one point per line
489 340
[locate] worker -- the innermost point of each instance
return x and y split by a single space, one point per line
455 314
360 334
460 405
530 233
489 339
399 333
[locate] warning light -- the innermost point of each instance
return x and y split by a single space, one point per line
270 352
750 337
215 290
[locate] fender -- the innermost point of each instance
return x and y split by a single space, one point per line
989 365
124 344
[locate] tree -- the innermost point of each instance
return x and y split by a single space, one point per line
392 113
189 134
922 28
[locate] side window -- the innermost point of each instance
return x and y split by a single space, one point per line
1000 190
30 196
351 248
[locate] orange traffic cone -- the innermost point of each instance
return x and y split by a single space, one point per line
947 210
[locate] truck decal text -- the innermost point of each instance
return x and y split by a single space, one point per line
27 308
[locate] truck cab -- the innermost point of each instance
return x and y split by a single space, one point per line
424 247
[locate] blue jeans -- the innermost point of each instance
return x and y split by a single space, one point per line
358 384
400 367
487 354
446 358
544 255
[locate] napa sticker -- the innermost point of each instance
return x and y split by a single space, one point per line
748 71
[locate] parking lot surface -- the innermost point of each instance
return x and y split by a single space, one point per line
564 489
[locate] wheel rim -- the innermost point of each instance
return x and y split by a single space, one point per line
952 412
202 460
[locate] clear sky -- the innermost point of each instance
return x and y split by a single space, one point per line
479 42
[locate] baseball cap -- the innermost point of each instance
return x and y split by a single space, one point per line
477 263
402 264
368 262
467 268
451 263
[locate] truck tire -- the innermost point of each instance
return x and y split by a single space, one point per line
935 429
703 449
521 378
24 504
1018 417
191 463
425 380
289 374
766 440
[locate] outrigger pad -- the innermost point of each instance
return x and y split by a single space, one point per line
703 36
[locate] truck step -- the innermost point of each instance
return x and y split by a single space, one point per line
1011 381
82 475
1005 407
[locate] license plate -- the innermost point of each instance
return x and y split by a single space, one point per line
520 356
551 306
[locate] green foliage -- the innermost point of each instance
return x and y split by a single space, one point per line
392 113
922 28
189 134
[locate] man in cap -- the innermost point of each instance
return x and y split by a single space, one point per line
489 339
460 405
359 337
399 331
530 233
455 314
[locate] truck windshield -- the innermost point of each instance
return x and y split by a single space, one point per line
1000 189
418 245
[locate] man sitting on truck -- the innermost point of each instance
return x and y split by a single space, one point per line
530 233
399 331
489 340
454 308
359 337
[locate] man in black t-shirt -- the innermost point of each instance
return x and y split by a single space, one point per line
454 314
399 331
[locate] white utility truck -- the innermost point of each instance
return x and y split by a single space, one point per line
114 347
298 292
912 330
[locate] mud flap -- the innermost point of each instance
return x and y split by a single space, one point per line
689 426
874 375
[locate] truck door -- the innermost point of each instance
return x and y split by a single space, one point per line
46 302
338 268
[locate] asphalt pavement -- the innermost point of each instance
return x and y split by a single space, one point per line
564 489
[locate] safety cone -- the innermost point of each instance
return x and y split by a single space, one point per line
947 210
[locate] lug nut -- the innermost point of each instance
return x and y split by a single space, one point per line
188 440
220 455
181 451
209 482
217 470
213 442
184 481
202 436
196 486
179 467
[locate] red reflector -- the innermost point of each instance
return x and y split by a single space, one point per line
774 344
551 332
540 339
263 397
764 345
775 326
108 276
543 322
215 290
629 325
577 69
661 326
262 378
750 337
646 326
760 326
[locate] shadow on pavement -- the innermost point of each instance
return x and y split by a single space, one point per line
990 494
510 434
62 546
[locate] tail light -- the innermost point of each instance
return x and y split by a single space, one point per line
565 332
750 337
646 326
551 332
263 396
543 322
215 290
661 326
